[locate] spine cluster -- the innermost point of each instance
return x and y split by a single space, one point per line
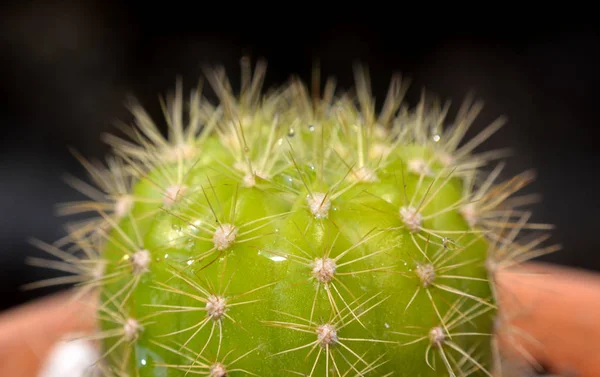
297 232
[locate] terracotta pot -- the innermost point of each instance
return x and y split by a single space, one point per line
559 307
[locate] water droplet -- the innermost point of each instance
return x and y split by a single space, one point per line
291 132
276 230
146 359
189 263
176 227
279 142
446 242
386 325
311 128
273 257
246 149
166 256
436 138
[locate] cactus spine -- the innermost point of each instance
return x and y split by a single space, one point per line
295 232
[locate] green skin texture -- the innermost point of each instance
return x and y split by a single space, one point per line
287 286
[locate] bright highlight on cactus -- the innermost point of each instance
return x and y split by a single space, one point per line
297 232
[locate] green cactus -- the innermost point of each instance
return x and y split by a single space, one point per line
297 232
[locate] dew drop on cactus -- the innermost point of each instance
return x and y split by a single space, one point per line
292 232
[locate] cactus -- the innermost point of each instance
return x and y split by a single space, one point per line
297 232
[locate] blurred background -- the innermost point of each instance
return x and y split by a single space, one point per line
68 67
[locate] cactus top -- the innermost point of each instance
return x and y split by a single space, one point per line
293 232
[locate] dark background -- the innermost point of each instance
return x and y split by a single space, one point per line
67 68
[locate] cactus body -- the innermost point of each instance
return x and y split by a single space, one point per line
283 234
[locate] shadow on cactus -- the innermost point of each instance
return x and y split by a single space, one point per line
297 232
